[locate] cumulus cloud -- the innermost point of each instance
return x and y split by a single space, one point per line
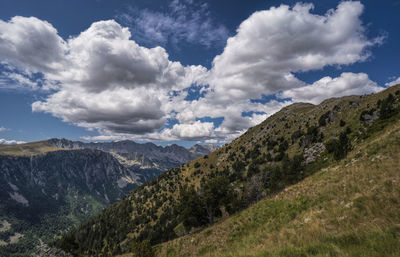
193 131
393 83
183 21
271 45
10 142
347 84
104 80
109 82
32 44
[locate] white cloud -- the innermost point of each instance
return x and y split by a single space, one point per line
21 80
194 131
105 81
393 83
183 21
271 45
2 129
32 44
105 138
10 142
347 84
113 84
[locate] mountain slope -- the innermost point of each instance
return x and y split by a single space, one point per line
43 195
346 209
51 186
142 156
289 146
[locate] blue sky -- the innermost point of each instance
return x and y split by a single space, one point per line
163 71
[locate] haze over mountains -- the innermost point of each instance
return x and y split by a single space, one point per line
53 185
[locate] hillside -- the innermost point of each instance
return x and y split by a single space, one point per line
313 147
148 159
28 149
45 194
144 156
50 186
350 208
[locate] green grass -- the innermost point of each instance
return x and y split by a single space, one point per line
384 243
334 198
346 208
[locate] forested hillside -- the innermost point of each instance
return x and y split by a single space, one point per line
51 186
302 142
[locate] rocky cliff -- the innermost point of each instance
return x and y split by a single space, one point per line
43 195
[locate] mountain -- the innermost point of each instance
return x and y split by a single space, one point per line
53 185
146 155
43 195
348 208
311 180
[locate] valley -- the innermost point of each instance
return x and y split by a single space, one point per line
50 186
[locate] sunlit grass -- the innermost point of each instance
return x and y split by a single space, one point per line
347 209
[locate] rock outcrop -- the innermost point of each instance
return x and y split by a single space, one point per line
313 152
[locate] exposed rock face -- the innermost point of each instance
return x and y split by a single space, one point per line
332 116
55 190
312 153
143 156
87 170
43 250
369 118
48 193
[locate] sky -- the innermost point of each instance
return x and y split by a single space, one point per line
183 71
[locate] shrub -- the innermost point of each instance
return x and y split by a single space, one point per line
386 107
283 146
339 147
297 134
322 119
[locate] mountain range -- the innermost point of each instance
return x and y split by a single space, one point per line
53 185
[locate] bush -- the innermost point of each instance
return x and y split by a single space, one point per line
297 134
283 146
339 147
386 107
322 119
190 208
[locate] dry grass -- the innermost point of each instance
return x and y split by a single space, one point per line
359 198
28 149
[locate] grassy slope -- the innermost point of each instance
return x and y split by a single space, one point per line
28 149
251 231
350 208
